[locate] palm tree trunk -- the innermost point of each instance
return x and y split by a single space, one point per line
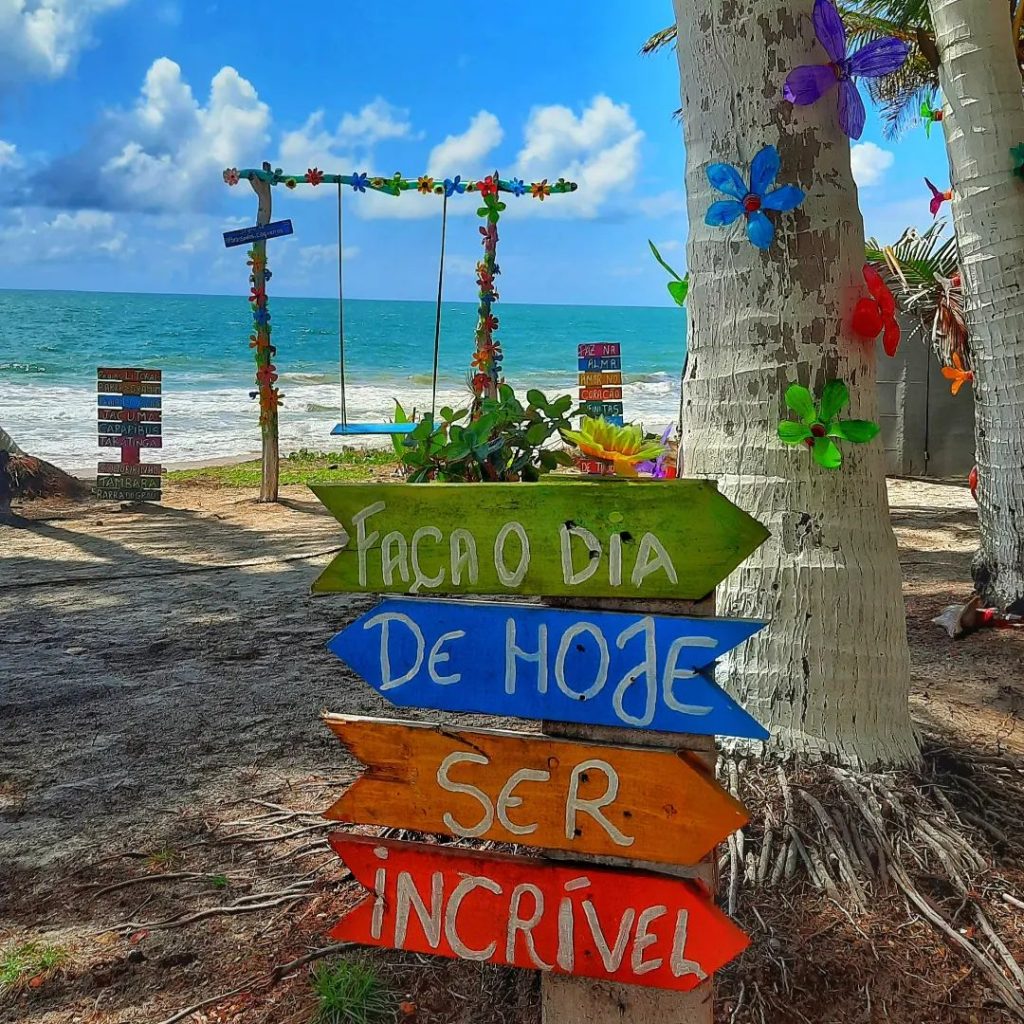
983 120
830 675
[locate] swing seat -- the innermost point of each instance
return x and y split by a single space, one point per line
348 429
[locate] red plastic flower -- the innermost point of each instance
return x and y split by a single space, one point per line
480 383
258 297
878 313
972 481
231 176
490 323
314 175
490 233
487 187
540 189
266 375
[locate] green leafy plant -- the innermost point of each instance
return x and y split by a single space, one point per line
503 441
351 992
819 424
28 960
679 287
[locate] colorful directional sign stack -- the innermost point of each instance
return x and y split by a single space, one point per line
130 419
600 380
633 806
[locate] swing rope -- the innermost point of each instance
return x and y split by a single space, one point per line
341 318
437 315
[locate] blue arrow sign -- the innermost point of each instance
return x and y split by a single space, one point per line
257 233
567 665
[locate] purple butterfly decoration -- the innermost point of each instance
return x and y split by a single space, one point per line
809 83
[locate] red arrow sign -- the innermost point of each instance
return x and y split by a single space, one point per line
576 919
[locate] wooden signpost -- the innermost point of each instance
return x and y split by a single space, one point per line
617 785
634 671
642 803
666 539
600 380
129 415
578 919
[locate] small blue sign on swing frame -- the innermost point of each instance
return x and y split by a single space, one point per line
258 233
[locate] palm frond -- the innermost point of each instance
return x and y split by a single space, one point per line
922 270
665 37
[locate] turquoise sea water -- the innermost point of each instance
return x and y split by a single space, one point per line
52 342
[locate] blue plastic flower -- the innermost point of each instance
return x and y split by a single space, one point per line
453 185
753 201
360 181
261 316
517 186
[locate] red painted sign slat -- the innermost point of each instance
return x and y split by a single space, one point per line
127 373
575 919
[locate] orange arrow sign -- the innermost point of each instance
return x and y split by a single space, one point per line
638 803
578 919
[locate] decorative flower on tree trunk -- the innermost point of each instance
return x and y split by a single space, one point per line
878 313
930 115
807 84
1018 160
424 185
938 198
752 202
819 423
956 374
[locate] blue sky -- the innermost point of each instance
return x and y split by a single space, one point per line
118 116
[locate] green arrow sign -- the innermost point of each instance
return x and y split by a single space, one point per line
630 539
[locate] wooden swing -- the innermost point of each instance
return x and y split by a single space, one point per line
344 428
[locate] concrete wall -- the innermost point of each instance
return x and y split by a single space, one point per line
926 431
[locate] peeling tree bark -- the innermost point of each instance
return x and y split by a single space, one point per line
829 677
983 120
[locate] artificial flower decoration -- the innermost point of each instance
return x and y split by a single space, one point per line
266 375
660 468
290 183
820 424
258 297
314 176
752 202
490 233
453 186
261 316
517 187
424 185
624 447
956 374
807 84
540 190
257 261
492 209
972 482
930 116
359 182
1018 160
877 314
488 187
938 198
231 176
480 382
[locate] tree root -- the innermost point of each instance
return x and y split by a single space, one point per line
932 840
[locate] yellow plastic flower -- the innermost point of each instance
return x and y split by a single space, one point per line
624 447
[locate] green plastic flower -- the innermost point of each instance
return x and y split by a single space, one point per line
819 423
1018 160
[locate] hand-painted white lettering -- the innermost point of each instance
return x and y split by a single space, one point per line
646 564
517 923
615 560
610 957
565 535
419 579
394 554
569 641
377 919
438 657
463 551
364 540
643 938
451 917
515 577
678 963
574 804
407 897
566 955
513 652
506 799
647 670
672 673
384 620
451 786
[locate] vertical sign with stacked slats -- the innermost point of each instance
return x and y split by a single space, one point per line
130 418
615 795
600 383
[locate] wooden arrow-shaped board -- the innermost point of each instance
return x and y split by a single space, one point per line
624 539
641 803
531 661
626 926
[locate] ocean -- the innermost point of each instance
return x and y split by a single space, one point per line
52 342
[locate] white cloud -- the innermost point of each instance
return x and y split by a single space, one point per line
41 38
36 236
377 121
167 152
9 154
462 154
314 255
870 162
599 149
